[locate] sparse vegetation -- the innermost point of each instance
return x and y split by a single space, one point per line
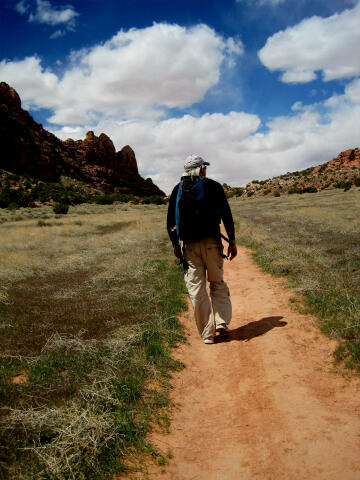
18 191
232 191
310 189
314 242
235 192
61 208
88 318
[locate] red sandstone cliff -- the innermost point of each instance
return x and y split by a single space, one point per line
26 147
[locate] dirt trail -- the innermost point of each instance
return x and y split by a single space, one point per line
263 402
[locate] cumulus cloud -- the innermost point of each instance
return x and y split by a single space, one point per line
137 72
162 146
44 12
316 44
124 86
28 76
232 143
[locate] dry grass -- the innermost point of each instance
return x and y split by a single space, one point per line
88 308
313 239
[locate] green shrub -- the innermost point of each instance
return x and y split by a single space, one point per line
343 184
61 208
293 190
235 191
276 193
155 199
5 197
238 191
106 199
310 189
12 206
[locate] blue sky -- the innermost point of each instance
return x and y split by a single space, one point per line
257 87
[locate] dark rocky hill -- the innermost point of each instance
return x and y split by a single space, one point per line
27 148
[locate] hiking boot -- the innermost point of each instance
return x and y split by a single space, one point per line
209 341
222 328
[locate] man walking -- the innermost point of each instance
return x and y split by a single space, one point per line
196 208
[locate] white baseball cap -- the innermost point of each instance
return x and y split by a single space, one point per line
194 161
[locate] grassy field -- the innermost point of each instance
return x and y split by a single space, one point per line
313 240
88 305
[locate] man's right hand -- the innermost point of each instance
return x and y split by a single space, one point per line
177 251
232 250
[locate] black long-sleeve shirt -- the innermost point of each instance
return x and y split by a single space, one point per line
218 206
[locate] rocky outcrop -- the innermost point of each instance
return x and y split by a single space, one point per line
342 171
126 158
26 147
347 159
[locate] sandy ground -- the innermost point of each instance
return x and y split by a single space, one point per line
264 401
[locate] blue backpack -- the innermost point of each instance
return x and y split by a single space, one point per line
192 208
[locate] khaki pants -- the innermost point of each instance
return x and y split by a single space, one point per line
205 256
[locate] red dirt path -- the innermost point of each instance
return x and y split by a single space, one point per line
264 401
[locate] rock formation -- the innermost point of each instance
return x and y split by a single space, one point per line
26 147
347 159
342 171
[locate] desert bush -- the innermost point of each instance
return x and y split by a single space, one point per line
235 191
343 184
12 197
293 190
238 191
154 199
61 208
276 193
105 199
299 190
109 198
309 189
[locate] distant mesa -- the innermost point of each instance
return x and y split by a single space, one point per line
27 148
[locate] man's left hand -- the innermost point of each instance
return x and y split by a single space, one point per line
232 250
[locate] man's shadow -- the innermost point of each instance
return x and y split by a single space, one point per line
251 330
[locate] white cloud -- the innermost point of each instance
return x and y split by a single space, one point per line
50 15
57 34
237 150
42 11
352 92
316 44
123 86
28 76
136 73
22 7
162 146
